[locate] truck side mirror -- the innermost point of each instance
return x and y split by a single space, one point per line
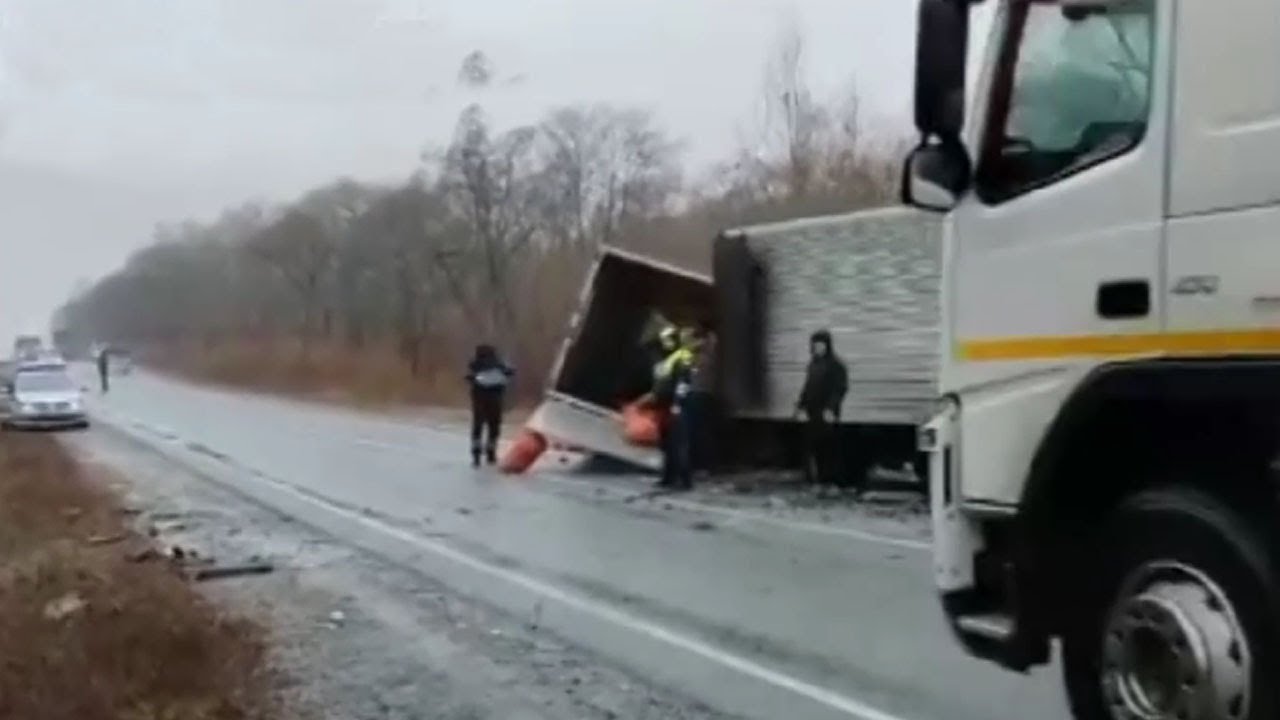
936 175
942 55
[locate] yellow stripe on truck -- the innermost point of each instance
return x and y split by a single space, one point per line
1211 342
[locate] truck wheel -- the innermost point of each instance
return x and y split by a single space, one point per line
1183 619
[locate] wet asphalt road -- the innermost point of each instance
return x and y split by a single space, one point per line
755 618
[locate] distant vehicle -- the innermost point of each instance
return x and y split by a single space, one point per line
69 345
121 362
41 363
42 395
27 347
47 356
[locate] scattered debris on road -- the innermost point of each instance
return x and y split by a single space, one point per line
64 607
90 629
218 572
168 527
99 540
142 555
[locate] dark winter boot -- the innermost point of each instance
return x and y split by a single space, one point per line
491 455
475 457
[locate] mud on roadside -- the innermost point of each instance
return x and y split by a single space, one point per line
88 632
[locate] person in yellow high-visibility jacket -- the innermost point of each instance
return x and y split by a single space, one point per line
672 378
671 353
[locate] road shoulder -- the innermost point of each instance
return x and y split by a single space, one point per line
366 638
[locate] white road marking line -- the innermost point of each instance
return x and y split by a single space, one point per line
816 693
821 695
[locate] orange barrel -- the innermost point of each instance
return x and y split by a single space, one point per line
526 450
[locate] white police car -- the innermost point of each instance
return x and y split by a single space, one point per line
42 395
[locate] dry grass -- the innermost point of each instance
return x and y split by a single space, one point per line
376 375
143 646
372 377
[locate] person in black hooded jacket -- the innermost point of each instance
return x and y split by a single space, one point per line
825 384
489 377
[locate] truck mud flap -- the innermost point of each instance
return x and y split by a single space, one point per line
595 429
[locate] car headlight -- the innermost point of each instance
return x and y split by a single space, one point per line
27 409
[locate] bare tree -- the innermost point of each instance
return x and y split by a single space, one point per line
477 70
404 231
493 237
601 170
336 207
302 253
487 180
809 157
795 121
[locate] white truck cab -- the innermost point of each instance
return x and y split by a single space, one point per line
1104 458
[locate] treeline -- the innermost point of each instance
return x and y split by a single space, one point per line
489 240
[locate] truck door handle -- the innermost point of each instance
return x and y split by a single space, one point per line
1124 299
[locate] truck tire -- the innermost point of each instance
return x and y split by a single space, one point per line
1179 617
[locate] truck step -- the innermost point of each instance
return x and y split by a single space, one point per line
992 626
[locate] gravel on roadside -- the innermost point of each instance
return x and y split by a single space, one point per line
361 638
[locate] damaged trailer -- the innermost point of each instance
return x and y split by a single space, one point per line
870 278
602 364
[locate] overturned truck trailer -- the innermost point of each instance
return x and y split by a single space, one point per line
870 278
602 365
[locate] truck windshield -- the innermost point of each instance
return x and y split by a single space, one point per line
1073 90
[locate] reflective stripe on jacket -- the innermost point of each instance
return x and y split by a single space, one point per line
667 365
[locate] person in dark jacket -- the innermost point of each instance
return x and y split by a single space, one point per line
489 377
104 369
825 384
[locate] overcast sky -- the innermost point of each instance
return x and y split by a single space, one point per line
116 114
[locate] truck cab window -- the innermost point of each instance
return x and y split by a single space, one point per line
1074 91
